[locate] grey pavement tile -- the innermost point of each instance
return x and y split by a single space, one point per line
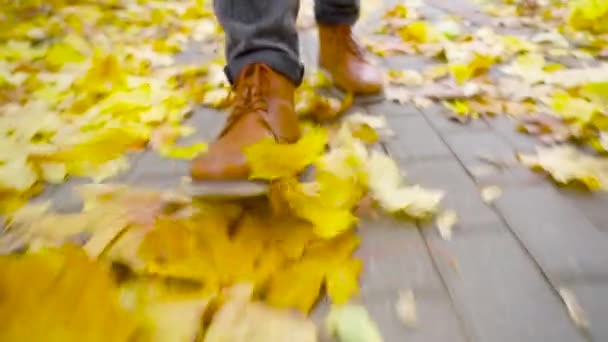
395 257
438 117
152 164
437 320
309 47
470 146
559 236
430 230
499 291
593 299
461 193
159 182
194 53
400 62
391 108
414 139
592 204
207 122
489 159
507 128
64 197
513 175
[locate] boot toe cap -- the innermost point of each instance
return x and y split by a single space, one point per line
214 166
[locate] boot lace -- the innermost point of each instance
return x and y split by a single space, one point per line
250 91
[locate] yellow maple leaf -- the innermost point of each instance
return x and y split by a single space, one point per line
62 53
417 32
68 298
183 152
341 281
309 202
566 164
172 249
17 175
270 160
351 323
574 108
101 147
241 320
297 286
170 310
325 261
387 187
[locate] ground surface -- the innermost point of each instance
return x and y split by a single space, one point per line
499 277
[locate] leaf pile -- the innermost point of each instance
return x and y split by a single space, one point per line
166 256
482 72
82 83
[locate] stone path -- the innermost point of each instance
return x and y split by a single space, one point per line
499 278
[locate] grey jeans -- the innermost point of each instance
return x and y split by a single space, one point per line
264 31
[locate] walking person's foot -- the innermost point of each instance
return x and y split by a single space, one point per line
264 107
342 57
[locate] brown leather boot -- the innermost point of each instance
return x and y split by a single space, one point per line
264 107
343 58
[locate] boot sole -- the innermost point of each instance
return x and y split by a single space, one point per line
358 99
234 189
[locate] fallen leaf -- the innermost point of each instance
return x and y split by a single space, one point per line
406 308
183 152
65 285
490 193
341 281
566 164
387 187
271 160
445 222
241 320
351 323
576 312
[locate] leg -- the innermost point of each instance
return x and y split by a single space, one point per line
264 68
340 54
261 31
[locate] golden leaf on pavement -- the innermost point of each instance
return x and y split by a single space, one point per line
241 320
68 297
271 160
566 164
387 187
490 193
351 323
406 308
445 222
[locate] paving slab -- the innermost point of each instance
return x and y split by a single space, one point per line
395 257
461 193
414 139
593 299
558 235
437 115
497 279
500 291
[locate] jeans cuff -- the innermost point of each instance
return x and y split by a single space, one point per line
333 16
276 60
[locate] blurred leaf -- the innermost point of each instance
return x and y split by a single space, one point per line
351 323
